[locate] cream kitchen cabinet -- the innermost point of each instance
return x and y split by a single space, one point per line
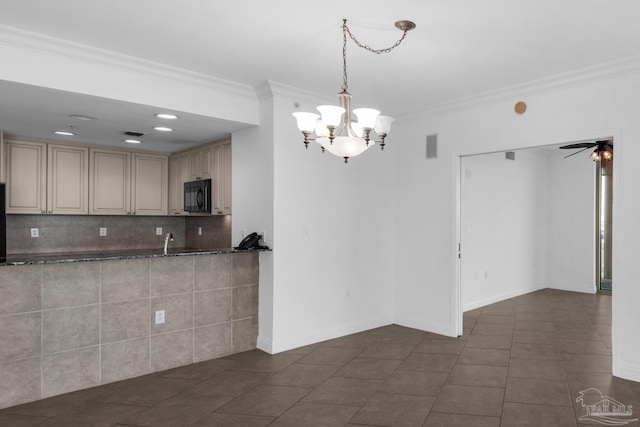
222 178
46 178
125 183
179 173
201 163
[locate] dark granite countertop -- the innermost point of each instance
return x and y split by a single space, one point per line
60 257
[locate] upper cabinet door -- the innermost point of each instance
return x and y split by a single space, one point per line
109 182
150 184
67 180
222 178
26 166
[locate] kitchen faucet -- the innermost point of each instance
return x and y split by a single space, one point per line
168 237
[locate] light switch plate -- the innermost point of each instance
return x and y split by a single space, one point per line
158 231
35 232
103 231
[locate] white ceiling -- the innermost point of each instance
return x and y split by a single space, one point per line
459 49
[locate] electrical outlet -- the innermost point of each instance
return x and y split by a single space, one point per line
158 231
35 232
103 231
199 231
159 317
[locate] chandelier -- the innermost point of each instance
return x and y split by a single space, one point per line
335 129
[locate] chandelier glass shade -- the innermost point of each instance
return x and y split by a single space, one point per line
335 129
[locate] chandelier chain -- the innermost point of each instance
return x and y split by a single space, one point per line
369 48
345 31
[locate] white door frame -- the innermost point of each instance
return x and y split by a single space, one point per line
456 294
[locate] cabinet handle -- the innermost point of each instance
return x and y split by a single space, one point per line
50 212
43 211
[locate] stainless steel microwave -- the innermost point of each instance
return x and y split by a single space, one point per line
197 196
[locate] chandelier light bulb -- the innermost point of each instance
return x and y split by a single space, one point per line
595 156
607 155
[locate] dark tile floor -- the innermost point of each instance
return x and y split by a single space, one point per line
521 362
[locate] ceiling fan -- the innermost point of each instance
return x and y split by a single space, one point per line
603 151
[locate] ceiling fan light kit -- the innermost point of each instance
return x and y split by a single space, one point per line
335 129
603 151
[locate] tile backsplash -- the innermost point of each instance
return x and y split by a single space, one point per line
81 233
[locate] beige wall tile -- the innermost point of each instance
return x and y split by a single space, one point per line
125 320
171 275
124 359
212 272
171 350
20 382
125 279
69 328
178 312
245 301
244 334
70 370
212 307
71 284
20 336
20 289
245 269
210 342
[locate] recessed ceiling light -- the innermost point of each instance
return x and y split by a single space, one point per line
63 132
166 116
133 141
163 129
82 117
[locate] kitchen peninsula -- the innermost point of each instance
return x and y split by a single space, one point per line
69 322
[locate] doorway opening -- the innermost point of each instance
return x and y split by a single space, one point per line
604 210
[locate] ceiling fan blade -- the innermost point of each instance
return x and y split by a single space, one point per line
579 145
579 151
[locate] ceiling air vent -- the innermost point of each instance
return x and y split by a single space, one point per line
136 134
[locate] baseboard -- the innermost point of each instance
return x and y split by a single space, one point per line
426 325
265 345
585 289
626 371
274 346
500 297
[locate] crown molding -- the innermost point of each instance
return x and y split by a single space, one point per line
22 39
272 88
587 75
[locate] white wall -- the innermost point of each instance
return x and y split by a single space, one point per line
571 223
503 226
526 224
425 219
332 230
